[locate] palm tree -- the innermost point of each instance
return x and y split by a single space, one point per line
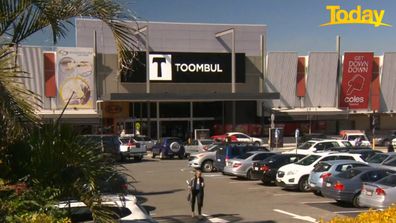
55 156
19 19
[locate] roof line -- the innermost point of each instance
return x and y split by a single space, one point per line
184 23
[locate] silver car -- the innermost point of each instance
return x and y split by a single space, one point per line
144 140
380 194
199 145
378 159
242 166
329 168
204 160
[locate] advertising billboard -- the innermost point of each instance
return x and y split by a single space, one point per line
356 79
75 77
178 67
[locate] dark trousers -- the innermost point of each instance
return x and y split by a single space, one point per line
198 196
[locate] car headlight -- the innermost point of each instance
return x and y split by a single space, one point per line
291 172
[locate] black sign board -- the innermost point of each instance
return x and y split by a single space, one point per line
177 67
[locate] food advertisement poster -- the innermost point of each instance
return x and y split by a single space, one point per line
75 77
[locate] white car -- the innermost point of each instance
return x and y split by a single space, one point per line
295 175
352 137
312 146
197 146
394 142
127 207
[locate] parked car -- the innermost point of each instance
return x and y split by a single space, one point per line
204 160
394 143
327 169
353 135
380 158
295 175
242 165
144 140
112 146
168 147
366 154
346 186
380 194
386 139
232 150
126 209
199 145
312 136
266 170
319 145
238 137
131 148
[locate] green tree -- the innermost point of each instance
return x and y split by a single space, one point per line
50 156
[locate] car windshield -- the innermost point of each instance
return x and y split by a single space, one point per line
124 140
213 148
377 158
142 138
349 173
308 160
272 159
388 181
347 144
306 145
322 167
244 156
206 142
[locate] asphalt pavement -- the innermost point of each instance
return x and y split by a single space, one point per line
161 188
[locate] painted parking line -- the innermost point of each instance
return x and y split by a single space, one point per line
240 182
215 219
290 194
295 216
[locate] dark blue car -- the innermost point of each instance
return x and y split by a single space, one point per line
168 147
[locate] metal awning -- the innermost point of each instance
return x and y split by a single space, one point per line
193 97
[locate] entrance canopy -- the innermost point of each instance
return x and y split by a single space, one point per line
194 97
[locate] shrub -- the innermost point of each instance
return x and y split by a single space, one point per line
386 216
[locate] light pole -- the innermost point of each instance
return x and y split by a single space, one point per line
232 32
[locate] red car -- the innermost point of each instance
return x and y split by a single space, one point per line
237 137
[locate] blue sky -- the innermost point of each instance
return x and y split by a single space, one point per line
293 25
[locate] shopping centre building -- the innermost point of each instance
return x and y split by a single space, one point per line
208 76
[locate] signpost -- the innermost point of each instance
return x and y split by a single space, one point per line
297 135
277 133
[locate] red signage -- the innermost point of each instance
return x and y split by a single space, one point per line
356 79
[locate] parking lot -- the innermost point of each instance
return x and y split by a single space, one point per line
161 187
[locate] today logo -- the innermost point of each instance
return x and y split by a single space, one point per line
340 16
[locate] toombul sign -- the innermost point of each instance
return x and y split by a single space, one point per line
356 79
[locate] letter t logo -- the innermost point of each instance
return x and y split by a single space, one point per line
160 67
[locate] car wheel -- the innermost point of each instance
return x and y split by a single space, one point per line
249 175
138 158
303 184
153 155
265 181
207 166
161 155
181 156
317 192
256 144
355 200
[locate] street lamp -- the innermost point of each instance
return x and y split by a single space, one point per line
232 32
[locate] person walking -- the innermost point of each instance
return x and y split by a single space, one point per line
196 187
390 148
